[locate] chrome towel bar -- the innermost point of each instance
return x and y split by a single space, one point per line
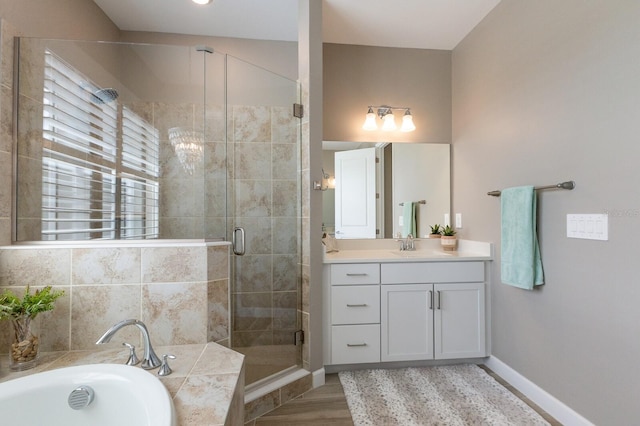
562 185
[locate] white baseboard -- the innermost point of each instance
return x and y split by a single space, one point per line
556 408
317 378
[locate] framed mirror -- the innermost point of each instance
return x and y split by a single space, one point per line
366 186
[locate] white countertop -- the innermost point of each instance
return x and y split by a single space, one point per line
376 251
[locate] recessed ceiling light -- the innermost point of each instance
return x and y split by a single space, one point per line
201 1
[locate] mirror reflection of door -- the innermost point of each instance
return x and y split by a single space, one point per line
355 193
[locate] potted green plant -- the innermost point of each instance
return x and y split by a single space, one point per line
448 239
23 313
435 231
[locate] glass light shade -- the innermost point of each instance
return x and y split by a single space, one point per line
201 1
407 123
388 122
370 121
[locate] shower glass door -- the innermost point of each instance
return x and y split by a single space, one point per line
263 154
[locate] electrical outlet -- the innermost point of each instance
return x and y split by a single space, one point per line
400 220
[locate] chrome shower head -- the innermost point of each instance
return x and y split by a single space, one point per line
104 96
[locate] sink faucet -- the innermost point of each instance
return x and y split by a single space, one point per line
409 244
150 359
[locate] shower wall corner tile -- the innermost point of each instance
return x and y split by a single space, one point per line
106 266
218 262
40 267
173 264
218 310
176 313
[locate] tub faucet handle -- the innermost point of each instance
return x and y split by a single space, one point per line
164 369
133 358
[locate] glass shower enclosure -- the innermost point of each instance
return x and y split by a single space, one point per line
144 141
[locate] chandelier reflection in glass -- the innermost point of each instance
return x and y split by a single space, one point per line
188 147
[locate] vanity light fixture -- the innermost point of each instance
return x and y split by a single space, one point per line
385 112
407 122
201 1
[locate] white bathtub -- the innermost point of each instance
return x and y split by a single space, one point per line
123 395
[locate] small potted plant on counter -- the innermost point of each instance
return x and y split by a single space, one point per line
435 231
23 313
448 239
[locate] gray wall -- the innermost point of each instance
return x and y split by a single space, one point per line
64 19
358 76
546 91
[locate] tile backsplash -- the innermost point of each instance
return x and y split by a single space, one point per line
179 290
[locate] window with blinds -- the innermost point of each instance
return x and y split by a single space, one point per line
99 174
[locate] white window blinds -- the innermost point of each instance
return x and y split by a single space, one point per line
92 186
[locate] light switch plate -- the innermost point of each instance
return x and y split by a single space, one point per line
446 219
458 220
588 226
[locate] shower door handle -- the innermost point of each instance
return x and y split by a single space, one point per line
238 242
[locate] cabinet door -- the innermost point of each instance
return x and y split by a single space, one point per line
459 320
406 322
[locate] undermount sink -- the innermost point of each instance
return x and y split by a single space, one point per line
119 394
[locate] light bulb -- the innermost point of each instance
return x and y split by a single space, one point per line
388 122
407 122
370 121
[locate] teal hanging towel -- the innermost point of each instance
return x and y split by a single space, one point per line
520 262
409 225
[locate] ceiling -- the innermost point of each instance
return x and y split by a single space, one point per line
422 24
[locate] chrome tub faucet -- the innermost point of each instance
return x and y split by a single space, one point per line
149 359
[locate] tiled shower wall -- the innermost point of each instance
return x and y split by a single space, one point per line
180 291
265 166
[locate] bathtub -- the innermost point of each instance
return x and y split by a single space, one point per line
122 395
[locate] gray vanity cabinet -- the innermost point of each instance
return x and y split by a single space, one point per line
386 312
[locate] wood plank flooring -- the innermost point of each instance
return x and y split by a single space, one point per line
327 405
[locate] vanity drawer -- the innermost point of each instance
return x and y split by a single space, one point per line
355 273
432 272
357 304
351 344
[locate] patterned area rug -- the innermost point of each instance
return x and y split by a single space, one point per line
447 395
